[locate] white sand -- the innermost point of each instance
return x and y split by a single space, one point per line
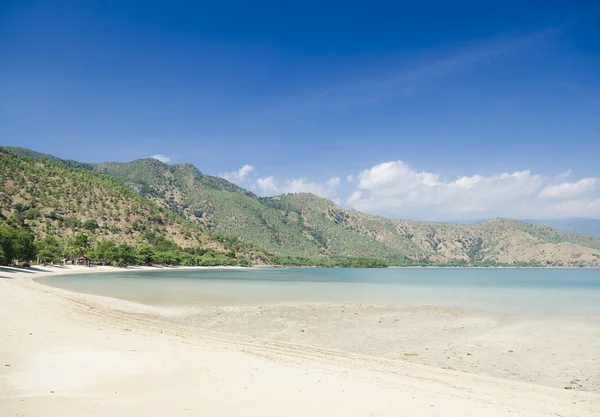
554 351
66 354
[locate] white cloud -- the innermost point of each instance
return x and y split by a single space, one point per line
267 185
270 186
355 196
397 190
240 176
245 170
571 189
334 182
303 185
161 157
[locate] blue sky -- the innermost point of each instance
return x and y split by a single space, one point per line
430 110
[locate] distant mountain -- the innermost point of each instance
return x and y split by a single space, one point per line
310 227
573 225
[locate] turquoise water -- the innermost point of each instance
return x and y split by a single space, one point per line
510 291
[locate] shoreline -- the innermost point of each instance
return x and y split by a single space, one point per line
70 354
82 269
56 270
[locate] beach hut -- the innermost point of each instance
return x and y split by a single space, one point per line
85 260
66 261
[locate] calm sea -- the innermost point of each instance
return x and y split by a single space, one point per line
507 291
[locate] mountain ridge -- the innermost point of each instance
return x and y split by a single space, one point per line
579 225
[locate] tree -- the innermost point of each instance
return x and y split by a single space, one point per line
49 248
188 259
16 244
80 244
90 225
125 254
106 251
72 222
6 249
244 262
168 258
145 255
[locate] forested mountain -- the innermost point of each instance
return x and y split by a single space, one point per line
265 223
299 228
74 210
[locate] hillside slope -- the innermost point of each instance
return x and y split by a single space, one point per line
497 240
55 200
214 203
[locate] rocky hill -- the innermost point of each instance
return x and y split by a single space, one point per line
55 201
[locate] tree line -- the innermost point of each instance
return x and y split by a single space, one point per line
17 243
324 262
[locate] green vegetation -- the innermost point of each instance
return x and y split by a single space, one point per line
331 262
108 252
16 243
175 214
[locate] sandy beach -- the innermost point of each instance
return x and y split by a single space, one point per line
70 354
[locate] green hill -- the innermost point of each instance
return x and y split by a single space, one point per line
76 209
288 226
299 228
215 203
